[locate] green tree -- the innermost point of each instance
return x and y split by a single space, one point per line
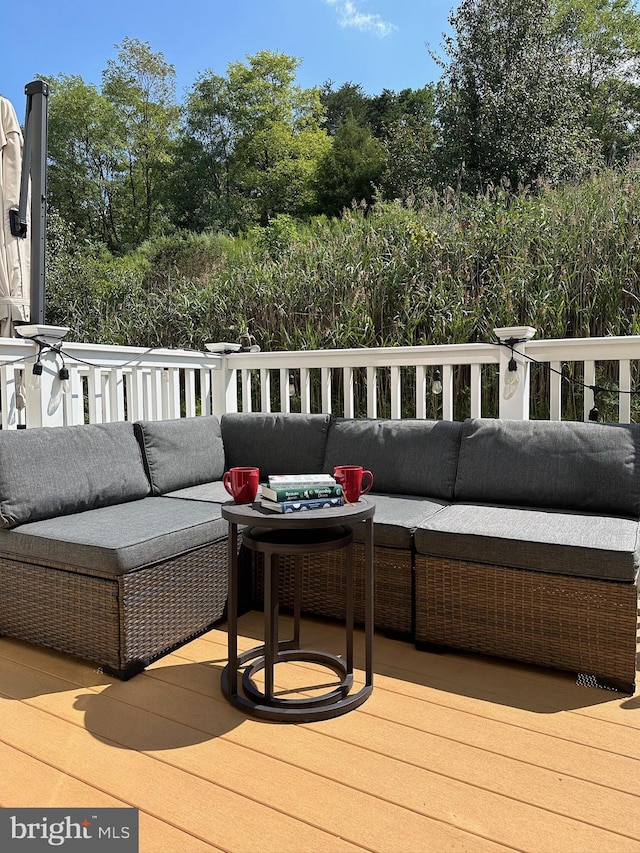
204 185
348 99
85 161
603 39
279 139
511 109
351 169
140 85
406 128
250 145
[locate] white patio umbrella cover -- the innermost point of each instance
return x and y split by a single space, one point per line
14 251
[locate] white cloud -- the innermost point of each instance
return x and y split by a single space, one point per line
350 16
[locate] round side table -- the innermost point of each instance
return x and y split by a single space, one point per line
296 534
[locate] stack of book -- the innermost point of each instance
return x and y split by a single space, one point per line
299 492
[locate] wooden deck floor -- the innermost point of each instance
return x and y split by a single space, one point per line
450 753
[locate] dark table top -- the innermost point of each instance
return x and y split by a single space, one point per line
256 516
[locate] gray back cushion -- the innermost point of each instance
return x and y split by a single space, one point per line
562 465
276 443
411 457
181 453
50 471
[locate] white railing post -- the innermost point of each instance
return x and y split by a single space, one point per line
45 400
44 405
224 389
514 385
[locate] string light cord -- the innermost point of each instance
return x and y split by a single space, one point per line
595 389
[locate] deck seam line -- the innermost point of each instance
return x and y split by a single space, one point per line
108 793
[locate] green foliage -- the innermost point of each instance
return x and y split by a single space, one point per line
510 99
85 162
141 87
109 151
348 100
350 170
603 39
565 260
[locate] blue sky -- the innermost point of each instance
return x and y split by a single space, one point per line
377 43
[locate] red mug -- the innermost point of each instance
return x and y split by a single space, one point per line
242 484
350 478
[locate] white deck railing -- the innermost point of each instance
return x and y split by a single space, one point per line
109 383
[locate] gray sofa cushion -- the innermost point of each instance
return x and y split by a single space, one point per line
396 517
116 539
416 457
278 443
181 453
51 471
566 543
578 466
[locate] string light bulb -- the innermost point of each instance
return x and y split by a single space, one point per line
63 376
36 373
511 379
436 385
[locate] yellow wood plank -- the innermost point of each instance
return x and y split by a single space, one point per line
26 782
459 740
473 804
284 788
188 802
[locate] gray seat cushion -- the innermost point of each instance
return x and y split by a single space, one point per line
117 539
47 472
416 457
576 466
181 453
566 543
396 517
278 443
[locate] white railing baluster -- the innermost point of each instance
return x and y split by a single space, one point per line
589 378
395 380
245 379
372 392
206 391
265 390
325 382
190 407
94 391
624 384
421 391
116 392
8 397
447 392
348 400
555 391
173 392
476 391
285 396
305 390
136 387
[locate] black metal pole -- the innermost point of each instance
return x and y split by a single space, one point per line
35 164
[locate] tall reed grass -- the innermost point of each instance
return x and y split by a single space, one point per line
563 260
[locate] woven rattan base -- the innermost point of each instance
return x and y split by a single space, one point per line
121 623
576 624
323 586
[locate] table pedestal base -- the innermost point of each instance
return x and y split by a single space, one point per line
264 703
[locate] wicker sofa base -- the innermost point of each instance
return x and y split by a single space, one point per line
122 623
576 624
323 586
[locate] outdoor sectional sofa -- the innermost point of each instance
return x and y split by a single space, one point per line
513 538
